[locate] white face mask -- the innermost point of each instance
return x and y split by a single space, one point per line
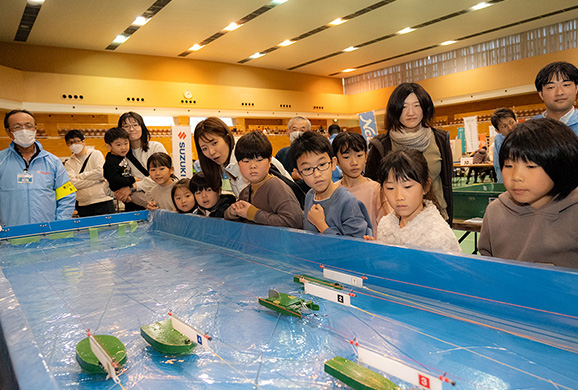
76 148
294 135
24 137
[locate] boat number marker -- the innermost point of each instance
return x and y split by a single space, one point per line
399 370
192 333
338 296
343 277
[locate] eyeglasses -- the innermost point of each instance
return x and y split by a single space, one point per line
27 126
130 126
321 167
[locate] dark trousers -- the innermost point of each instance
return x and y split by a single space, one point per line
101 208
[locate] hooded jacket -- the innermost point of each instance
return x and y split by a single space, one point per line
520 232
24 203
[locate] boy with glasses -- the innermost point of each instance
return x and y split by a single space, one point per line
329 209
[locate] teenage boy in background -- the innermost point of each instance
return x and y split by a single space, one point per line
504 121
329 209
557 85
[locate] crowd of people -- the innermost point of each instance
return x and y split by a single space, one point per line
396 190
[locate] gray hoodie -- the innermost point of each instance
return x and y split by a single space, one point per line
520 232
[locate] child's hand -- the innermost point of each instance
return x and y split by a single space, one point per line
152 205
137 179
316 216
369 238
240 208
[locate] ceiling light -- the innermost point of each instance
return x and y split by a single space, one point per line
480 6
277 2
256 55
406 30
140 21
35 2
348 70
447 43
350 48
232 26
286 42
120 39
196 47
337 22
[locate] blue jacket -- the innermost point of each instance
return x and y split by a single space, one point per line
498 141
344 213
24 203
572 122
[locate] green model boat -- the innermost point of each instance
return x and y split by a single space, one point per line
165 339
356 376
324 282
88 360
286 304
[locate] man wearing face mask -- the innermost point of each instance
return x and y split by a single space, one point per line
34 186
84 168
296 126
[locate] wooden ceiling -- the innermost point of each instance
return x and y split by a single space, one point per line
318 49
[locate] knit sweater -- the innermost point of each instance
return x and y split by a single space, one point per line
428 230
520 232
162 196
272 203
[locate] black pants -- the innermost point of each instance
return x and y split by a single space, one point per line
101 208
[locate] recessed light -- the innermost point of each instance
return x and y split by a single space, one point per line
232 26
447 43
120 39
350 48
277 2
35 2
140 21
480 6
406 30
196 47
286 42
256 55
337 22
348 70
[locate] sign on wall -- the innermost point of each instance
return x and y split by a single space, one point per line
368 125
471 129
182 151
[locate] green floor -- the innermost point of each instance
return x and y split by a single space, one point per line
468 244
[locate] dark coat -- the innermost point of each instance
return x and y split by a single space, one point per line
381 145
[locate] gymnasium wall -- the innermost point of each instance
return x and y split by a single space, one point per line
37 77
